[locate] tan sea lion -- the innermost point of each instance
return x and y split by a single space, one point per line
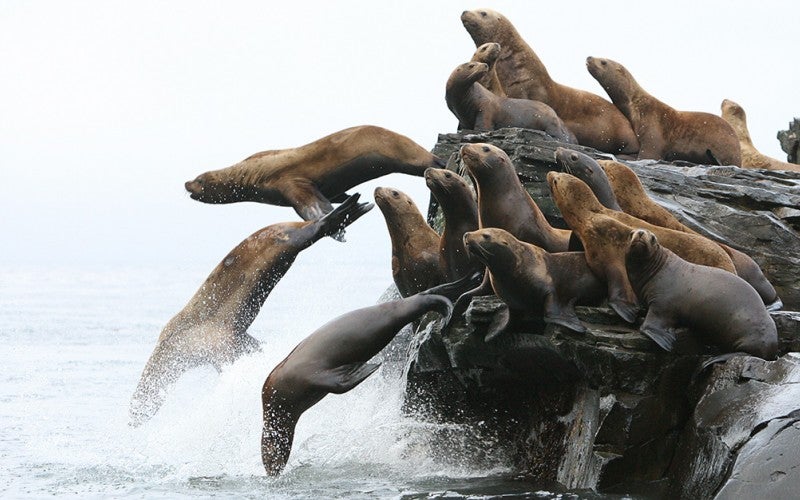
489 53
532 280
594 121
460 210
665 133
604 233
634 200
310 177
212 327
415 246
479 109
333 359
751 157
719 306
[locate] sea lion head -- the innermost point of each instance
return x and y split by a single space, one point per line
572 195
611 75
480 159
211 187
492 245
643 255
393 202
467 74
487 53
484 25
441 181
731 109
576 163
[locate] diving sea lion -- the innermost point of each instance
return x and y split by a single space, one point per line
604 233
310 177
530 279
720 306
634 200
479 109
212 327
333 359
489 53
751 157
665 133
460 212
594 121
415 246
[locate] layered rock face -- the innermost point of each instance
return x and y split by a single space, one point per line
790 141
608 410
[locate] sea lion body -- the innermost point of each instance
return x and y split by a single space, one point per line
751 157
415 246
530 279
333 359
310 177
594 121
587 169
212 327
489 53
663 132
480 109
719 306
634 200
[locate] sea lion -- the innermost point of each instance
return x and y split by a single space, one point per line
489 53
530 279
751 157
415 246
594 121
634 200
665 133
479 109
212 327
460 210
604 233
310 177
333 359
719 306
585 168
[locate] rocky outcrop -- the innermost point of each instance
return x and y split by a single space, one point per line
790 141
608 410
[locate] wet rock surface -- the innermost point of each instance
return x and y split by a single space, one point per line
790 141
608 410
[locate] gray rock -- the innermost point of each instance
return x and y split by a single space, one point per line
790 141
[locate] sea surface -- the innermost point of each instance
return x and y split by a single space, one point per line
75 339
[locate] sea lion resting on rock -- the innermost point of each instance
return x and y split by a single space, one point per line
212 328
334 359
594 121
720 306
634 200
663 132
479 109
604 233
529 279
415 246
489 53
310 177
751 157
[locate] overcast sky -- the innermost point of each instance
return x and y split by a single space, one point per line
108 107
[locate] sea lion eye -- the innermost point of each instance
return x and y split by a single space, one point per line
483 13
486 236
573 157
486 149
603 62
448 175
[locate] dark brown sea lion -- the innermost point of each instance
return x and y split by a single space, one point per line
460 210
634 200
333 359
593 120
665 133
310 177
604 233
719 306
212 328
751 157
532 280
415 246
479 109
585 168
489 53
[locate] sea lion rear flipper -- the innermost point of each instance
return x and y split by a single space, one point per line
462 303
340 198
343 378
654 328
333 223
499 324
562 314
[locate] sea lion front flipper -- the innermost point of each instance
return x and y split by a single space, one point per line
309 202
340 198
462 303
620 295
562 314
345 377
660 333
499 323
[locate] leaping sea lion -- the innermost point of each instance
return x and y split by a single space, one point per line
212 327
310 177
594 121
665 133
719 306
751 157
334 359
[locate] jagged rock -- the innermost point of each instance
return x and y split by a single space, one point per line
790 141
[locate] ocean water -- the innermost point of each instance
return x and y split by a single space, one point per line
75 339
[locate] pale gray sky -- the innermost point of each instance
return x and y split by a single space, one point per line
108 107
